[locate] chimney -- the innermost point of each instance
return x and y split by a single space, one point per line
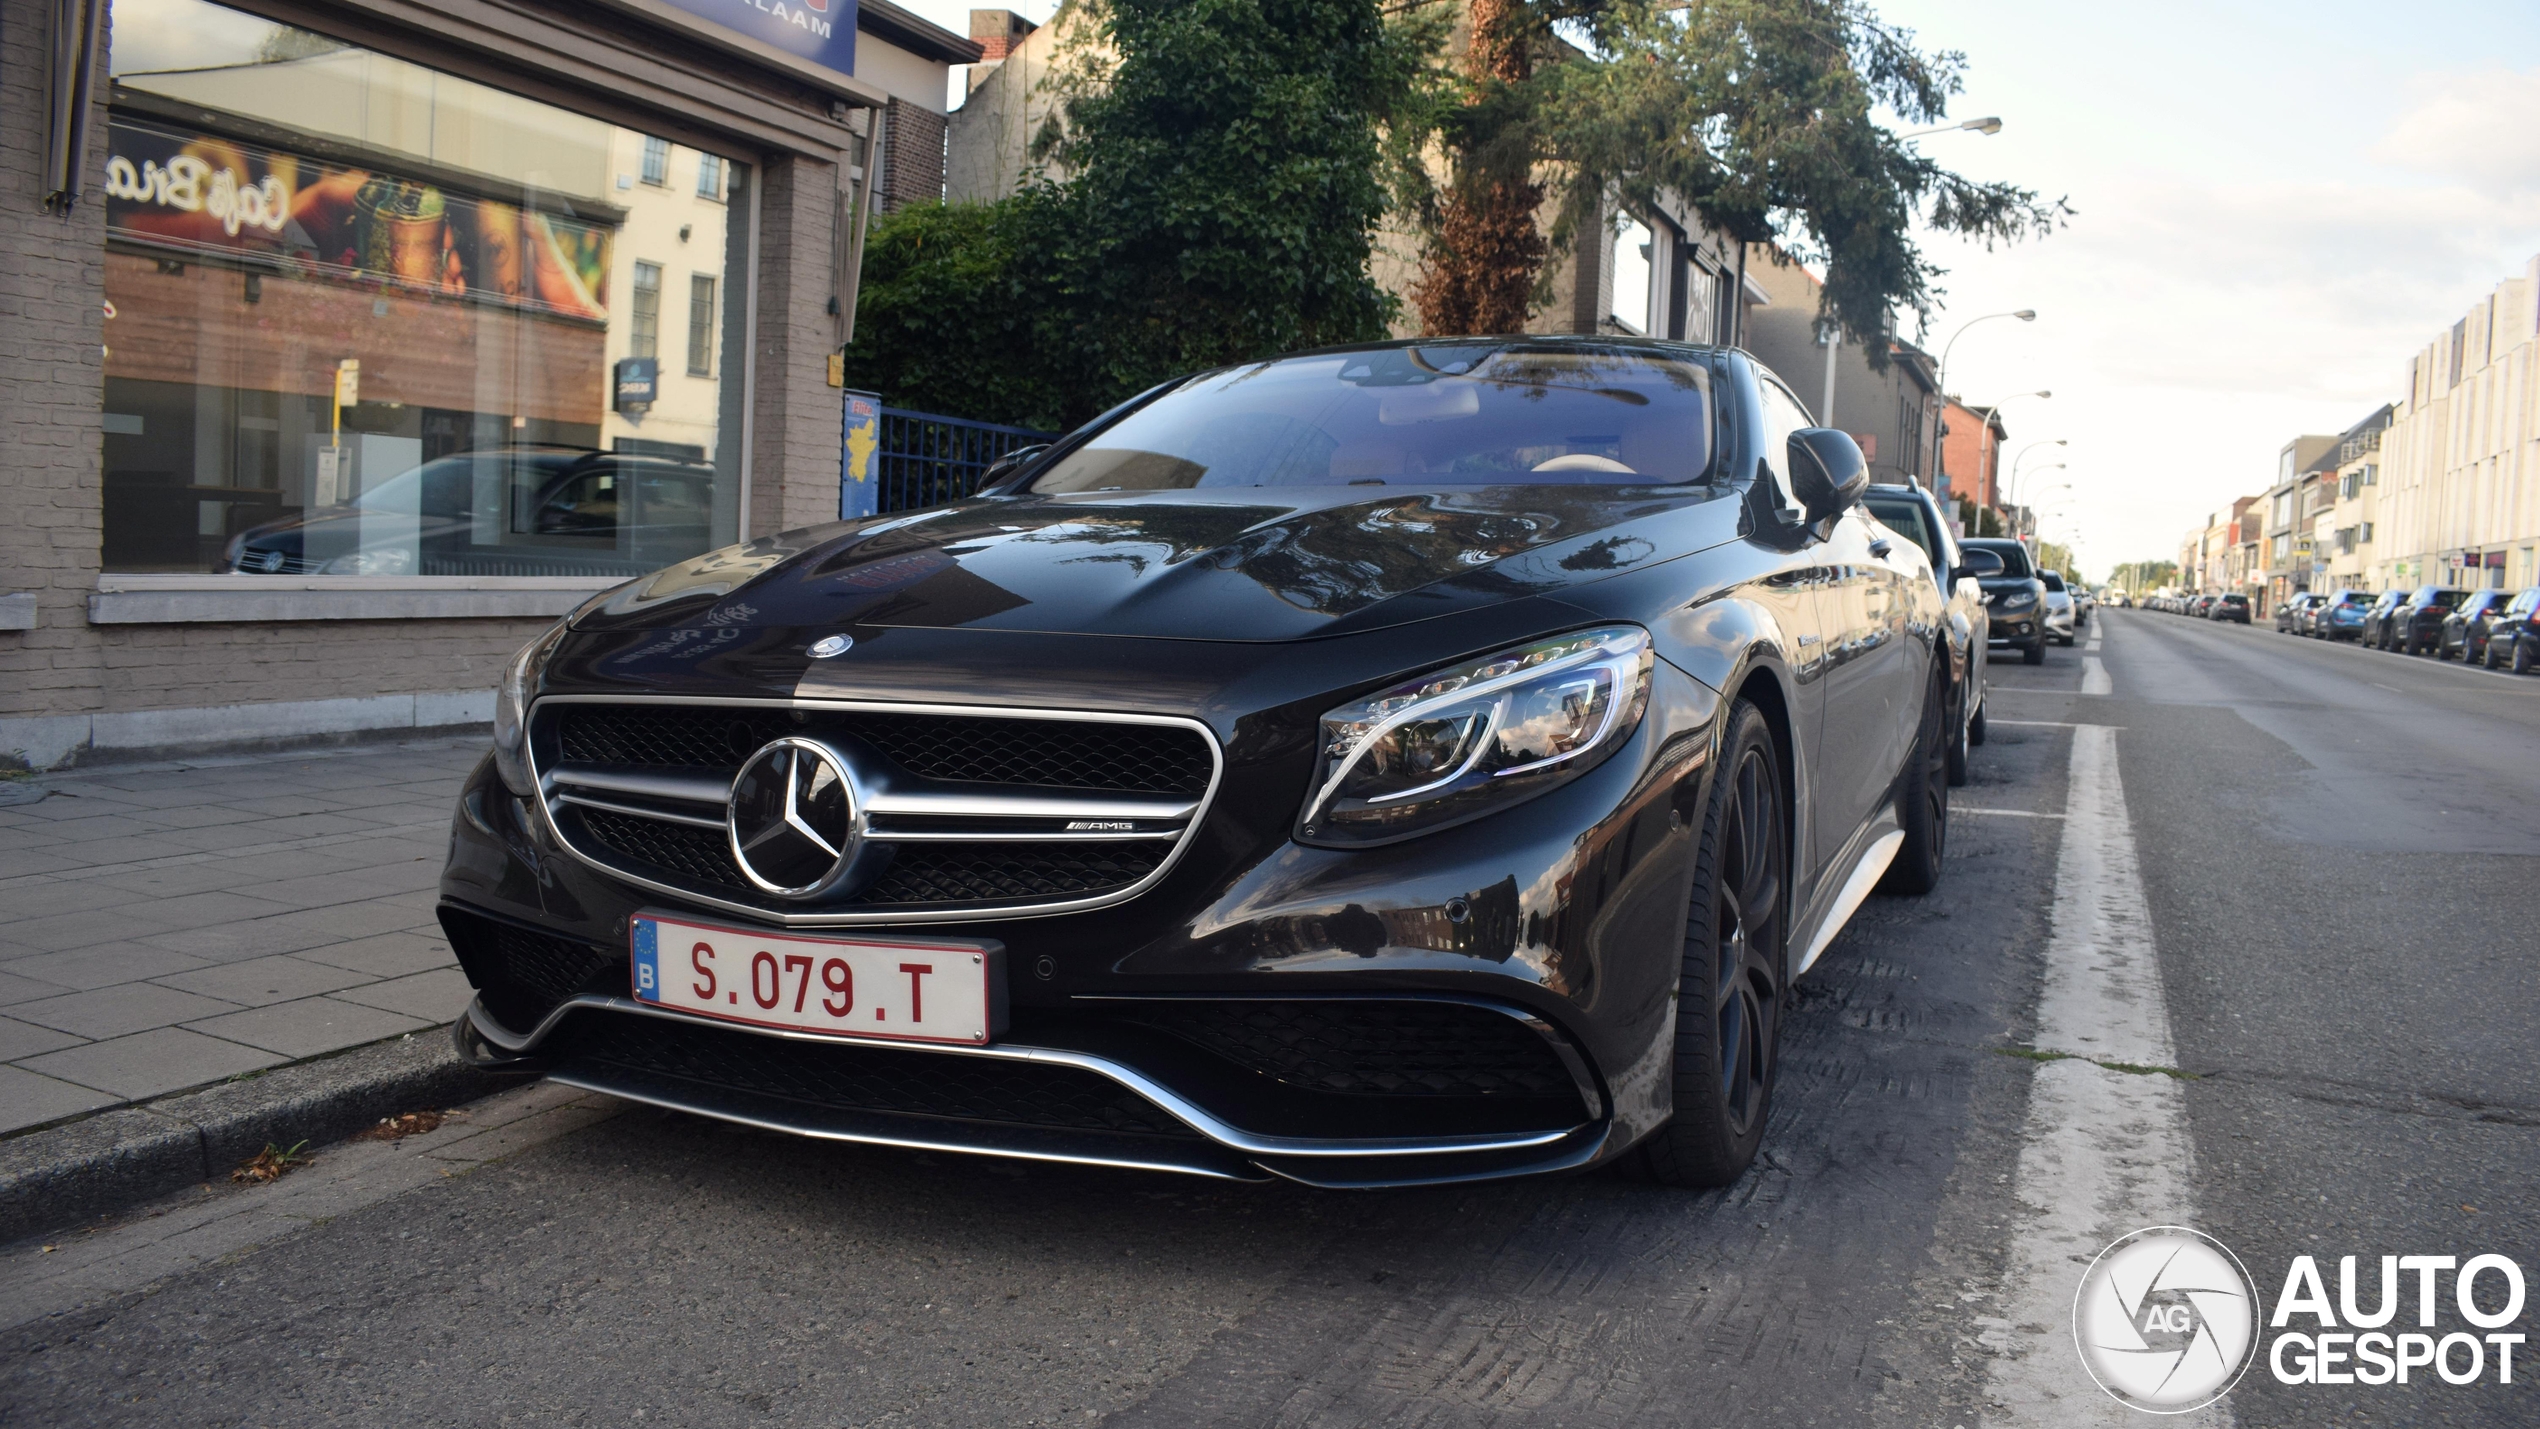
997 32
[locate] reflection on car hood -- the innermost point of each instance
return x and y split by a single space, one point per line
1240 564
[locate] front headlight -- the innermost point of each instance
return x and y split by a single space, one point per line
1477 737
381 561
511 710
2018 599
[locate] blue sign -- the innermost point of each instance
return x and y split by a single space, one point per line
821 31
638 383
859 489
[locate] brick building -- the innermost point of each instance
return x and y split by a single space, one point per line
350 345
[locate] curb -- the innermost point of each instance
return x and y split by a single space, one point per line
100 1165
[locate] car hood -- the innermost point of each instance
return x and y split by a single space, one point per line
1248 564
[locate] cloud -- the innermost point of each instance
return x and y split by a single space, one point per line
2483 127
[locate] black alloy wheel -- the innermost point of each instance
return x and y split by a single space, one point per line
2489 658
2035 654
2522 655
1975 727
1922 804
1728 998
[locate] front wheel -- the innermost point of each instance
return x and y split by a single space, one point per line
2522 655
1957 743
1729 985
2035 654
1975 727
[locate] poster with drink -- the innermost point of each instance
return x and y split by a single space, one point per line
172 188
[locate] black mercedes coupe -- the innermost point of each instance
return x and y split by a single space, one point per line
1410 763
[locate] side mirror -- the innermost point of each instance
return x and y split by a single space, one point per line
1979 563
1827 472
1010 463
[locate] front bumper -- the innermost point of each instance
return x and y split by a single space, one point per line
1548 935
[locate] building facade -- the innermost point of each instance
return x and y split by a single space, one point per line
1889 411
2459 490
352 345
2343 545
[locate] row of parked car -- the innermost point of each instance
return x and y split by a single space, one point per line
2499 629
2232 607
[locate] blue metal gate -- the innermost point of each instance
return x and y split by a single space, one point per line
926 459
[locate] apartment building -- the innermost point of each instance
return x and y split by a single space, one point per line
2459 489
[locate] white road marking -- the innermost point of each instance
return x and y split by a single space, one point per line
2103 1152
2003 813
2047 723
2094 676
196 1228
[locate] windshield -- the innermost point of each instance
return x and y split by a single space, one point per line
448 488
2054 581
1442 413
2014 557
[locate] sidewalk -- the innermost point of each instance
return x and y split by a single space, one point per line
169 925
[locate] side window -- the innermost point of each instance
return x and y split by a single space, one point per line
1782 416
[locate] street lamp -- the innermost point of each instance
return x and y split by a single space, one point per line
2024 451
2015 479
1986 125
1984 434
2026 315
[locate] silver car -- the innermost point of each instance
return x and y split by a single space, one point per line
2059 608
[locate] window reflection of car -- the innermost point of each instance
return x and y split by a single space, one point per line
1915 514
518 511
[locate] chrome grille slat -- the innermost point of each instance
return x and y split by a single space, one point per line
992 850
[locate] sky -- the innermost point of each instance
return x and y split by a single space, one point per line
2275 205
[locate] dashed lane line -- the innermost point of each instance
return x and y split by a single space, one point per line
2094 676
2103 1152
2004 813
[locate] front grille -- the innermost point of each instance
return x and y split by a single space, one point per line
1371 1047
1027 753
1070 778
694 737
966 873
522 974
919 874
909 1083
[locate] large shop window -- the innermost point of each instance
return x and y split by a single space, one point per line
365 318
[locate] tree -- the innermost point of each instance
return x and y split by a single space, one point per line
1224 170
1760 114
955 308
1226 180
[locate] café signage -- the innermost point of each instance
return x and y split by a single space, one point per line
821 31
176 188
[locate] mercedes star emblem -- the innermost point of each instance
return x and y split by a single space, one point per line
830 646
796 823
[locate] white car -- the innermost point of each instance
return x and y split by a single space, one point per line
2059 608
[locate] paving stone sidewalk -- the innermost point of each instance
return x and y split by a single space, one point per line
165 926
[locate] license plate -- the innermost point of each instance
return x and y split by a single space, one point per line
847 987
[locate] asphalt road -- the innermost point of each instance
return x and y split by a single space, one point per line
2334 853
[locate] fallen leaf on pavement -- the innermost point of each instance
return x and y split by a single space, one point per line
397 1128
272 1163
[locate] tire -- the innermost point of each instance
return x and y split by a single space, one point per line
2035 654
2522 655
2412 646
1922 802
1975 727
2489 659
1729 990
